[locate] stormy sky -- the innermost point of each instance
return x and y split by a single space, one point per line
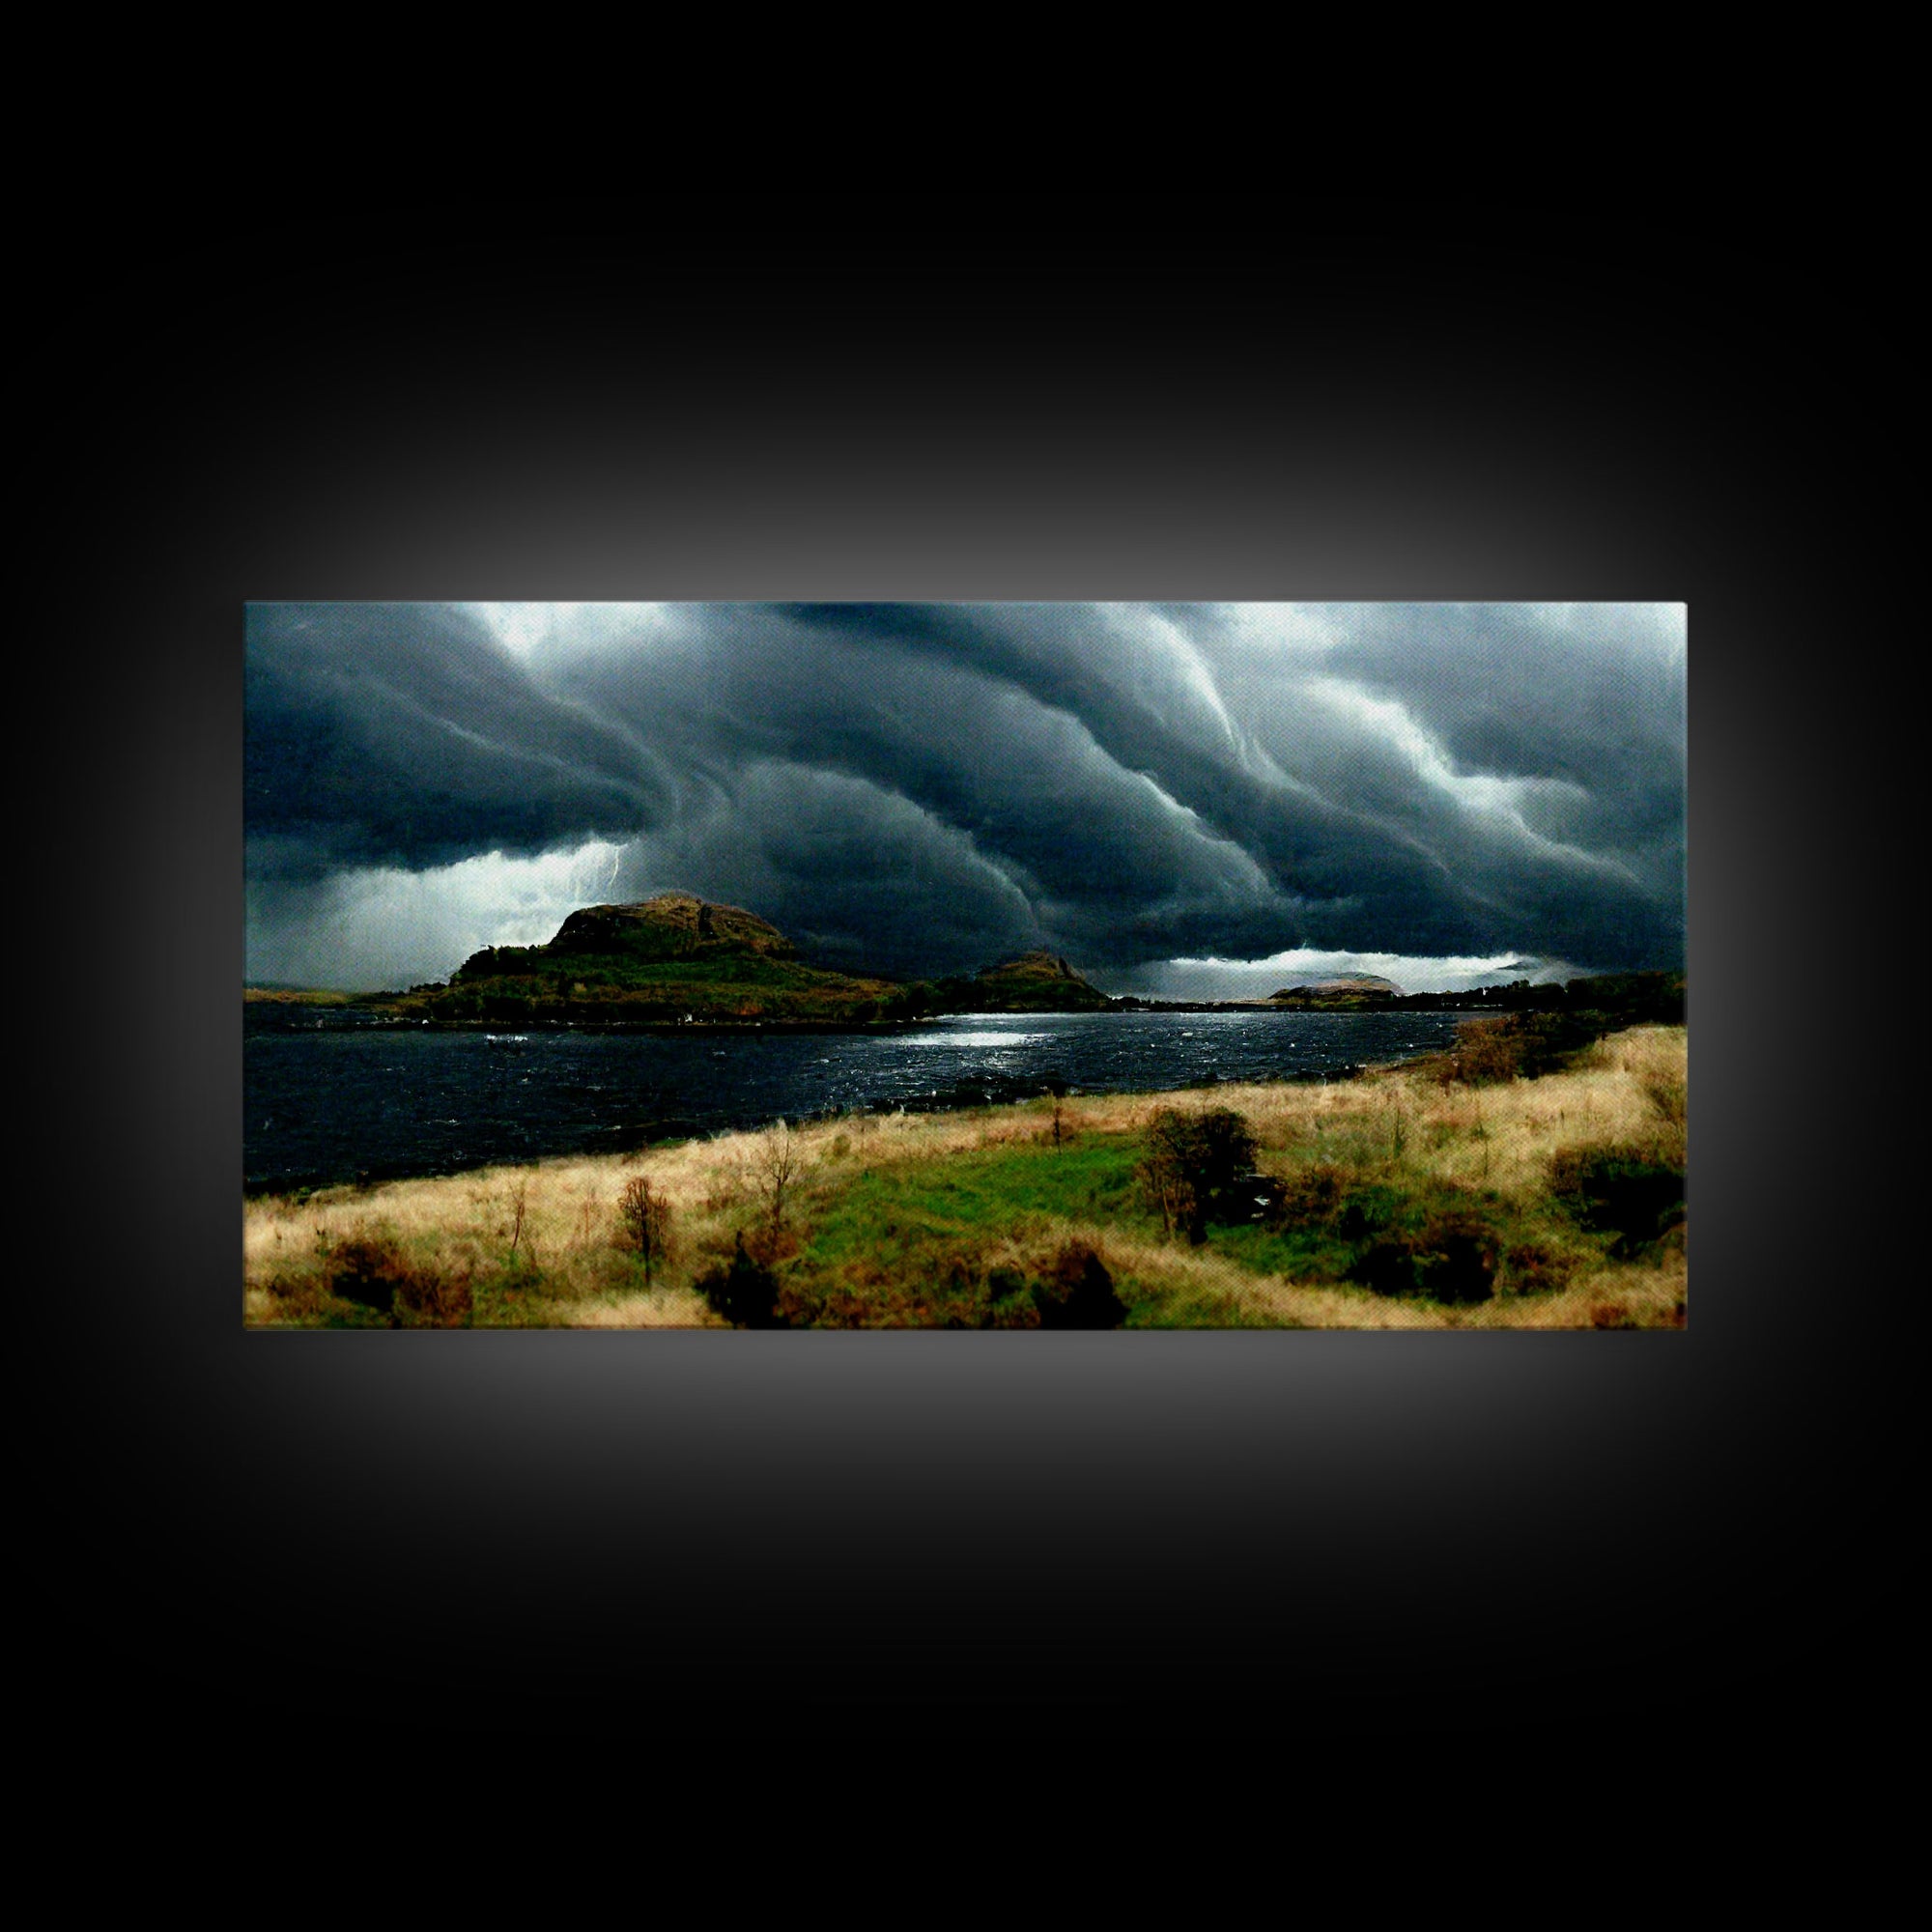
1192 800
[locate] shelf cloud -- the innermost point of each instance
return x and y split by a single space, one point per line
922 788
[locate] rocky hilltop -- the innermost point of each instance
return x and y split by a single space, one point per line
672 926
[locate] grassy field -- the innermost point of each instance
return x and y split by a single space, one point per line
1405 1199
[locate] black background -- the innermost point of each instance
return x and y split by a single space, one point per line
277 1537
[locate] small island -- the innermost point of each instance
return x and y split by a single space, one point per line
681 960
1346 992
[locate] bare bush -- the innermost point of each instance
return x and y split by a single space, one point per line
775 1170
645 1215
1057 1087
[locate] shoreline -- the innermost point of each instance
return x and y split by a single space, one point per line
1627 999
554 1022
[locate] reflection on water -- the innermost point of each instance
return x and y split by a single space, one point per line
964 1038
331 1095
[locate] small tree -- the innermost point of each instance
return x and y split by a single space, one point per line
1194 1165
647 1217
775 1168
1057 1087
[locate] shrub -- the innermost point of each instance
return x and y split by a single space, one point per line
1627 1191
427 1298
1518 1046
953 1288
745 1293
1196 1167
1532 1270
1009 1303
373 1272
1487 1052
1078 1292
1387 1268
1451 1259
1311 1197
1458 1260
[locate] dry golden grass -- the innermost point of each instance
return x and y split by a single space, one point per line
568 1237
1220 1293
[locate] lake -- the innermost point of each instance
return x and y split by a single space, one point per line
334 1094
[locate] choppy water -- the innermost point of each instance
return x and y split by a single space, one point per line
332 1097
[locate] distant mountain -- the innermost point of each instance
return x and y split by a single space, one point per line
1345 988
1037 981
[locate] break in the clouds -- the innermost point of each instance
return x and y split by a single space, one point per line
1183 799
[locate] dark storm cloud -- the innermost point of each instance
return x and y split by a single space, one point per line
1555 694
404 735
861 879
1557 741
924 787
1111 865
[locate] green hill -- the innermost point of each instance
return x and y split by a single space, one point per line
1035 982
669 959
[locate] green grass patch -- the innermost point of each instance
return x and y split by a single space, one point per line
987 1192
975 1239
918 1238
1409 1235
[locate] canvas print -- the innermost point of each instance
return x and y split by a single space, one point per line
975 967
